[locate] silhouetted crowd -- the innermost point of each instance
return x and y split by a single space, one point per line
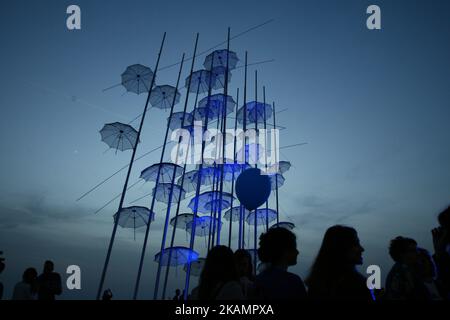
415 275
227 275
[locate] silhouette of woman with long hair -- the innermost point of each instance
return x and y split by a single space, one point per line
333 274
219 279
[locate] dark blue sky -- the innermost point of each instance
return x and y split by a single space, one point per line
372 105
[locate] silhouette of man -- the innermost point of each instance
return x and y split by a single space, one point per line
49 283
177 295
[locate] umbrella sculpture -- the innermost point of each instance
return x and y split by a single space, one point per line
134 217
202 225
119 136
261 215
162 192
200 81
220 74
178 256
137 78
209 199
174 182
221 58
166 171
162 97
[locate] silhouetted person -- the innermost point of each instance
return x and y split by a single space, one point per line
403 281
49 283
428 274
107 295
219 279
244 267
333 274
182 296
177 295
441 242
278 250
2 267
26 289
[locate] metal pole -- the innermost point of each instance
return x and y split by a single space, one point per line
122 198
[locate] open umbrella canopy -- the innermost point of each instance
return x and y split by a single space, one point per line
284 224
196 267
162 192
210 199
200 81
176 120
134 217
203 225
220 74
182 220
163 96
255 112
178 256
119 136
221 58
137 78
216 104
281 167
276 181
191 180
234 214
167 170
261 215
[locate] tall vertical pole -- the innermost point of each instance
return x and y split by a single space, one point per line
265 153
141 262
234 166
242 210
276 161
122 198
255 236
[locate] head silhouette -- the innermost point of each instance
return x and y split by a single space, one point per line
244 264
219 269
177 292
29 275
339 253
278 246
404 250
48 266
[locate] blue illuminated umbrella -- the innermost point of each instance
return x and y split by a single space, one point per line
191 179
214 105
255 112
166 172
162 97
137 78
208 200
284 224
176 119
219 58
228 170
281 167
200 81
178 256
219 74
162 192
119 136
203 225
261 216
